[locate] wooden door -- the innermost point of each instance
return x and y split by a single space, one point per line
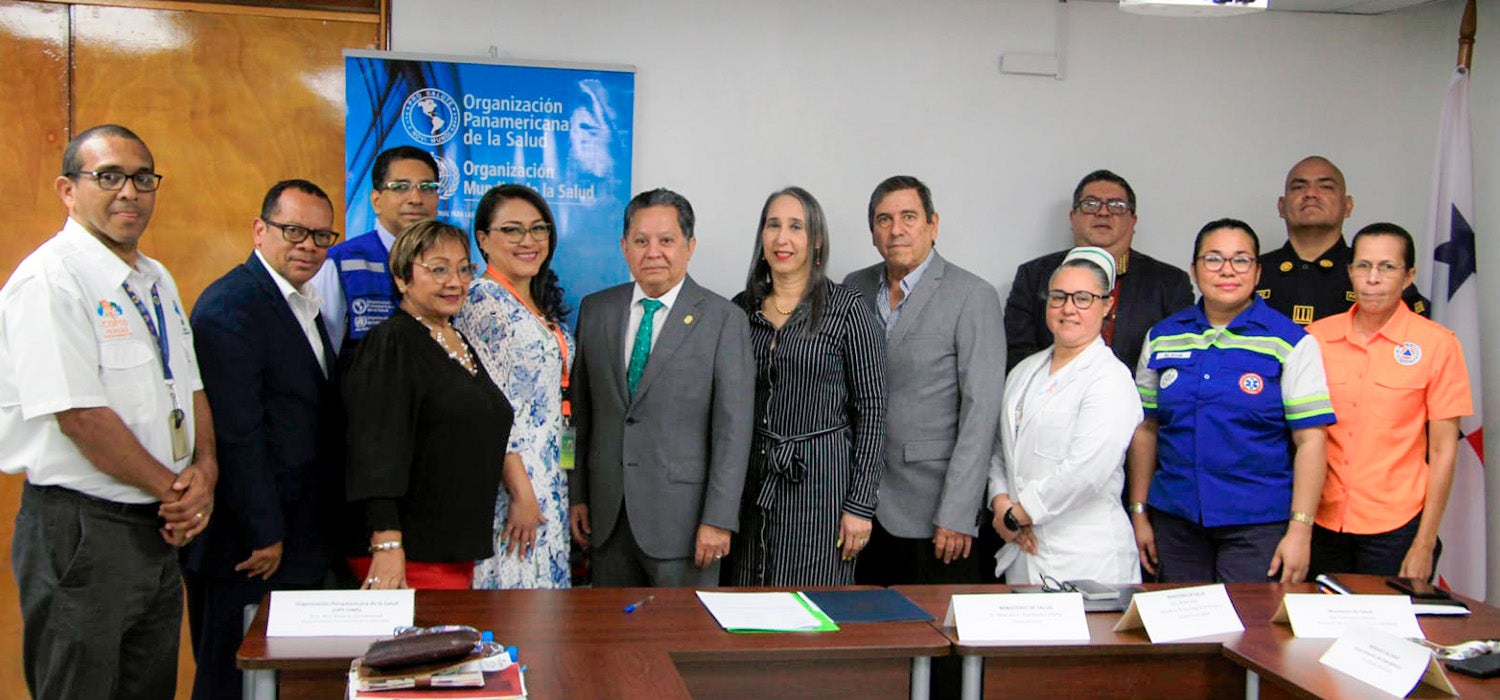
229 98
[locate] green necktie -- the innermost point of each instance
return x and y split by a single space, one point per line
642 347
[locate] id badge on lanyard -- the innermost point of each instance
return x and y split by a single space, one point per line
176 418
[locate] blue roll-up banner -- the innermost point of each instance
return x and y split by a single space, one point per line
565 131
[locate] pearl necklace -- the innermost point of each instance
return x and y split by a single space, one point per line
462 357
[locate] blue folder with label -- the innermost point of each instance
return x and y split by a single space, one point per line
880 605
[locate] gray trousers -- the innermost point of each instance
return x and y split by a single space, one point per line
101 597
620 563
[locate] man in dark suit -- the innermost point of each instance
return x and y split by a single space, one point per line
265 360
1146 289
664 395
943 340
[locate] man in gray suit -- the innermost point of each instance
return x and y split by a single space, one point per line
945 375
664 394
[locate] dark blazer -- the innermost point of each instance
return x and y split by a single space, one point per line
677 453
279 425
1150 290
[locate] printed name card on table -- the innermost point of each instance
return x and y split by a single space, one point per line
340 613
1318 616
1181 613
1390 663
997 618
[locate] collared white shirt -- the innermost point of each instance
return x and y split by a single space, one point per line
638 311
70 337
304 305
333 305
883 297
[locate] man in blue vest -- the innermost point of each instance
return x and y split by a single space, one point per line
356 289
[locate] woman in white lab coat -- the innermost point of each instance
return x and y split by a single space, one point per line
1069 414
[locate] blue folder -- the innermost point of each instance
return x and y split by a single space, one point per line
879 605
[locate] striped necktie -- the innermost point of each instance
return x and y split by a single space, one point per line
641 350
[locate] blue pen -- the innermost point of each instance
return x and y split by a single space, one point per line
639 603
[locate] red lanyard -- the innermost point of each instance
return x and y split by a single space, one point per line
562 340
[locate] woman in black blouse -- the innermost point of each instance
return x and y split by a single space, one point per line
819 408
427 427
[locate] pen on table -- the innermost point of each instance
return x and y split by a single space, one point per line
1327 582
639 603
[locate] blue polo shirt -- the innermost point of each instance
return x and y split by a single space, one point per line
1226 401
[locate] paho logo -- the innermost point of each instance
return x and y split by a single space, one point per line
430 116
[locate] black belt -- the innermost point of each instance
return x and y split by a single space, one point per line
136 510
783 461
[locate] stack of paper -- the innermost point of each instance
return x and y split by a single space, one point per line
500 685
766 612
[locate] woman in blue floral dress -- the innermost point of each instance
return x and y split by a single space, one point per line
514 320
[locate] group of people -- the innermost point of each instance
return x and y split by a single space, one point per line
377 412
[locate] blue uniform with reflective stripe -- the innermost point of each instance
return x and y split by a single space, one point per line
1224 450
369 291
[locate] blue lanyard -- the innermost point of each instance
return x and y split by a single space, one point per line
157 329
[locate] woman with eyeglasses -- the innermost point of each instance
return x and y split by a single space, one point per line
1069 414
1226 470
515 319
427 427
819 408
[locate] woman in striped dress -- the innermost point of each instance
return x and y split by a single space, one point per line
819 408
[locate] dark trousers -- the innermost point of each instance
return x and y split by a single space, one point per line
216 608
1187 552
101 597
619 563
1379 554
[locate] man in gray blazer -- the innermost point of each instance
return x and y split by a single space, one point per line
664 392
945 376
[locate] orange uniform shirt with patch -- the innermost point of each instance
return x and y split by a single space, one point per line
1384 393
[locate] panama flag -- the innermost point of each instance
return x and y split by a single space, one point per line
1454 286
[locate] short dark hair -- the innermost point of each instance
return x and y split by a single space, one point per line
272 200
1102 175
1385 228
661 197
758 284
1217 224
546 289
71 163
896 183
382 169
417 239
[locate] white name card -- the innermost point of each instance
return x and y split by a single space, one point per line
1181 613
1319 616
1390 663
998 618
339 613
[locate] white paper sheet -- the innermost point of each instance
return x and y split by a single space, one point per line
758 611
339 613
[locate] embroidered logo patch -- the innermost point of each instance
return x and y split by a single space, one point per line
1252 383
112 320
1408 354
1168 377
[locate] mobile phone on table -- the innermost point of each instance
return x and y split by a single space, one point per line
1093 590
1486 666
1417 588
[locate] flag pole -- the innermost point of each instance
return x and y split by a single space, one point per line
1466 31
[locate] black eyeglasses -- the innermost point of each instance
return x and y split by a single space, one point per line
1082 299
513 234
1092 205
114 180
1213 262
403 186
295 234
1052 585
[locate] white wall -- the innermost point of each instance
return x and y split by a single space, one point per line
1204 117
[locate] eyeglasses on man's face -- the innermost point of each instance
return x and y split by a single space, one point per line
1362 268
442 272
1092 205
1082 299
1213 262
295 234
114 180
514 234
425 187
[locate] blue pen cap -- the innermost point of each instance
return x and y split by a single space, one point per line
486 636
515 654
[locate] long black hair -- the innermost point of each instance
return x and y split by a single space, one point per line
546 289
758 284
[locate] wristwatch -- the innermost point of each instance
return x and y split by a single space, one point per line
1010 520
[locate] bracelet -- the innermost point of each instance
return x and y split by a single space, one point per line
385 546
1138 507
1301 517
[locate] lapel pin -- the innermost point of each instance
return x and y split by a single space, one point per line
687 320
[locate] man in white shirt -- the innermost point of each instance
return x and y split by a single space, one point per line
102 408
267 370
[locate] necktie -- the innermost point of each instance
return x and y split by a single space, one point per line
642 347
